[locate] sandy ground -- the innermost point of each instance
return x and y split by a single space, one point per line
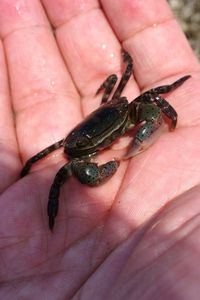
188 14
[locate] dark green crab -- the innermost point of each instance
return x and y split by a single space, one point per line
102 127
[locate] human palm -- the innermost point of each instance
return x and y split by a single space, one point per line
136 236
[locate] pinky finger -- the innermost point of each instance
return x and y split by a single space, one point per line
9 157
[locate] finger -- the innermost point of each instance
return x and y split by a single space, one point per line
153 37
42 90
91 56
9 156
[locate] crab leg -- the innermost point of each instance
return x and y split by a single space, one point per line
39 156
54 193
167 109
163 89
126 75
153 96
110 82
107 86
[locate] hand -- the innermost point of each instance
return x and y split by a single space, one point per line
137 236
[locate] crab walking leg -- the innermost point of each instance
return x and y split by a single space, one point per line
149 130
91 174
39 156
107 86
167 109
153 96
60 178
110 82
126 75
163 89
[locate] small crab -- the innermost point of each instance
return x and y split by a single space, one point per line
102 127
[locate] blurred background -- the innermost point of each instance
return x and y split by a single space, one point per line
188 14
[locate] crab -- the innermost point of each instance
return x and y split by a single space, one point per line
102 127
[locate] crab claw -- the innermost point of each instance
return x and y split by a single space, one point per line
144 138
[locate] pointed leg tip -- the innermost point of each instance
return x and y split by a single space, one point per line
100 89
123 51
24 172
186 77
51 223
173 125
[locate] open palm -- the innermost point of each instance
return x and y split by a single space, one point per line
136 236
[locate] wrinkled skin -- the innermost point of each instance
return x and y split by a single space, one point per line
137 236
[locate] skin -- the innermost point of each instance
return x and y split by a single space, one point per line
137 236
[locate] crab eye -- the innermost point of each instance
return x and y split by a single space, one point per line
81 141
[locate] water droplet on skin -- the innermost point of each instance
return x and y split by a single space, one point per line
103 46
20 7
108 51
52 83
